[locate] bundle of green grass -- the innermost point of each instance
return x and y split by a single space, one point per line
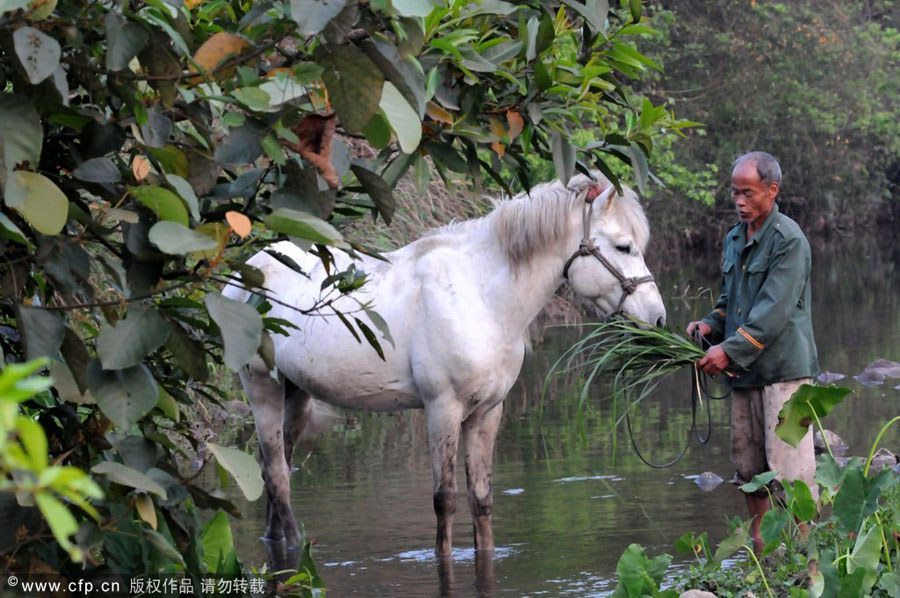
633 355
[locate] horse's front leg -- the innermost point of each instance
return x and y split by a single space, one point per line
444 416
479 434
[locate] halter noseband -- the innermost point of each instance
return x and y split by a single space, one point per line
587 247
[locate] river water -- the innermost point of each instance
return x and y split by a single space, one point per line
569 494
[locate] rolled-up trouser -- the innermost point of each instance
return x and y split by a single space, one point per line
755 448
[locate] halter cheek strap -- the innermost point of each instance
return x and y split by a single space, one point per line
587 247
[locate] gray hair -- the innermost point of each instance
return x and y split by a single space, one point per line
767 167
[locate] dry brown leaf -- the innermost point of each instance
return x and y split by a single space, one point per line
516 124
213 51
140 166
315 132
238 223
146 509
436 113
499 148
497 128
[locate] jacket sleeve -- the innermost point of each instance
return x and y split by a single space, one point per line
716 318
786 276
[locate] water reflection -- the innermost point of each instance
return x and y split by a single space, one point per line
569 494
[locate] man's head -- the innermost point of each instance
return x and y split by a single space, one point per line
755 181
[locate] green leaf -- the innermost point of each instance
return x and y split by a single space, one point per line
797 414
124 396
274 150
858 496
304 226
730 545
97 170
381 193
171 159
11 232
865 556
773 523
593 11
34 441
20 136
42 332
800 500
126 476
141 332
759 481
241 327
175 239
189 354
217 540
378 131
158 541
639 166
253 98
638 575
61 522
563 157
124 40
311 16
163 202
635 7
243 467
38 52
186 192
828 473
243 145
415 8
402 117
405 74
39 200
354 84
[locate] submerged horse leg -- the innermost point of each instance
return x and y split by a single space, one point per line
267 401
297 408
479 434
444 417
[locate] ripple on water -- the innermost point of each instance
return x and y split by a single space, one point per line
588 478
460 555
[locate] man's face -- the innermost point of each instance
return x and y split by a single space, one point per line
752 198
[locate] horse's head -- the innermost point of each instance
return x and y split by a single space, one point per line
608 265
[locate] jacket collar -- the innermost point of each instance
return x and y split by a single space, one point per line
739 233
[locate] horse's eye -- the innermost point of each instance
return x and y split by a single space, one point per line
623 248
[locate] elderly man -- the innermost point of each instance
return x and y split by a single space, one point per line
763 327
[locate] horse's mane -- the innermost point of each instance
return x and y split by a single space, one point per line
534 220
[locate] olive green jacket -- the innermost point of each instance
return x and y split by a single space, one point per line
763 317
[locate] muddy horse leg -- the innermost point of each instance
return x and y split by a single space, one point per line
297 406
479 434
444 417
267 401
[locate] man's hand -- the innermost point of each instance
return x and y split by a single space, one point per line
715 361
705 329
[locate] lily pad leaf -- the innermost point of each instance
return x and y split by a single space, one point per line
124 396
127 476
804 406
243 467
141 332
241 327
175 239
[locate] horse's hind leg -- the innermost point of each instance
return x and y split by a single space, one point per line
444 416
267 401
479 434
297 408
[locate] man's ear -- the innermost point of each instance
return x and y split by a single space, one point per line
774 188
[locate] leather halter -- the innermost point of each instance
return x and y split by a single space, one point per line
587 247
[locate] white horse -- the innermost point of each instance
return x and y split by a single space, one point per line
458 303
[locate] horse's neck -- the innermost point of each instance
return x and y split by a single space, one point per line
519 293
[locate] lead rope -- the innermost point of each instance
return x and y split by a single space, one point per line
699 389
